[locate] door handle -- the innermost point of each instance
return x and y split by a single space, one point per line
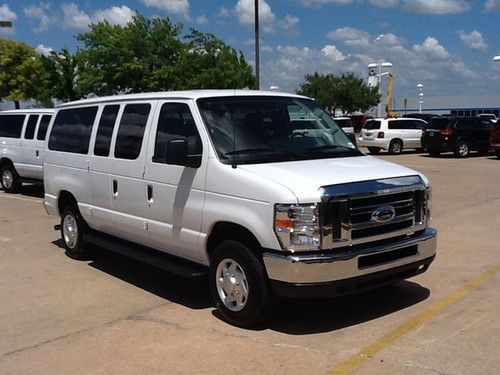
115 188
37 153
150 193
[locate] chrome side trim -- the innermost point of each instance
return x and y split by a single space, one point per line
320 268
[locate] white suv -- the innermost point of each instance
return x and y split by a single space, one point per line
22 140
392 134
261 190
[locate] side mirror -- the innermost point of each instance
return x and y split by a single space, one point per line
177 154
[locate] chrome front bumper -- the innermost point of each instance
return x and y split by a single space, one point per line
340 265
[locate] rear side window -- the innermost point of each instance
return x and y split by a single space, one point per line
176 122
465 124
438 123
343 123
42 128
71 130
393 125
29 133
105 130
372 125
131 131
11 126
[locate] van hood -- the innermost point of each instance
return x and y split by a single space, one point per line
305 178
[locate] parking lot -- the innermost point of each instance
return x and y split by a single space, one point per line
114 315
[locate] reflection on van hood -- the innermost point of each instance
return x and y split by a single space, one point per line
305 178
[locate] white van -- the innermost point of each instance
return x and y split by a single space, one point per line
228 182
392 134
22 139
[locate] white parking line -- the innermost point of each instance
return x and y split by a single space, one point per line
4 239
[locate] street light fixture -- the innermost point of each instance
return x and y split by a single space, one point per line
496 58
371 72
420 97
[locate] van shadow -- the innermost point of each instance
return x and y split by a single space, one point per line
291 316
192 293
302 317
33 190
451 155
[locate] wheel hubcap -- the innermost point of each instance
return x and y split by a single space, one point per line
396 148
232 284
463 149
7 179
70 231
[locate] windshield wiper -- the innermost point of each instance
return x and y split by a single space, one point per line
328 148
249 151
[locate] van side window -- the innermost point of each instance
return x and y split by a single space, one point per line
29 133
105 130
71 130
398 125
42 128
176 122
11 126
131 131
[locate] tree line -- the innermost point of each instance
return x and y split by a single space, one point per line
149 55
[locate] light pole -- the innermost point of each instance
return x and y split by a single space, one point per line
420 97
371 72
257 58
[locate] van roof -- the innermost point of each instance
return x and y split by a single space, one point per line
27 111
189 95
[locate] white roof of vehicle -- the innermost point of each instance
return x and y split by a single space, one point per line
189 95
26 111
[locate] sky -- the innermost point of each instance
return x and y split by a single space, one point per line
446 45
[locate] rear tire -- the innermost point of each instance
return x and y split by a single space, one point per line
73 228
11 182
395 147
374 150
239 285
462 149
497 153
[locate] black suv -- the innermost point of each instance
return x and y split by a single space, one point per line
457 134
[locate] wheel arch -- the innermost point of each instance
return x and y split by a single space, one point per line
65 199
224 231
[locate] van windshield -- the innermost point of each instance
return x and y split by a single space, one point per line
258 129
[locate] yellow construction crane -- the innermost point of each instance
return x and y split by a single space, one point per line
388 111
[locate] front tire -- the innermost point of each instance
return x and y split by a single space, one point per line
239 285
11 182
73 228
395 147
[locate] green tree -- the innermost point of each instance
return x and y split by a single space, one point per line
61 77
152 55
21 71
346 93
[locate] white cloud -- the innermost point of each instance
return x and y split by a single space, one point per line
43 50
171 6
290 24
39 13
437 6
350 36
75 18
492 5
473 40
333 53
115 15
431 48
201 20
246 14
321 2
224 12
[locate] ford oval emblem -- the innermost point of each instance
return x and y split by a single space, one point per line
383 214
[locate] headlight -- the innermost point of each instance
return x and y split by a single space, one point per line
297 226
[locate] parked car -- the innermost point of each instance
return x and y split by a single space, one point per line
488 116
22 139
392 134
495 139
228 182
345 123
459 135
423 116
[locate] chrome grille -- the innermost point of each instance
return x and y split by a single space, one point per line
348 213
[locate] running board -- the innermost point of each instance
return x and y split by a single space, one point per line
148 256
